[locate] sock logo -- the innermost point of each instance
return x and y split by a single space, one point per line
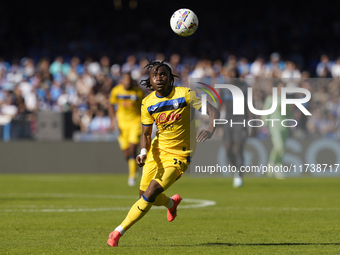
141 209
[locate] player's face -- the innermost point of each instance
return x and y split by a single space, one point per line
126 81
160 80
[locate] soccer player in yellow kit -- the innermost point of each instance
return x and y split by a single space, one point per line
128 98
167 156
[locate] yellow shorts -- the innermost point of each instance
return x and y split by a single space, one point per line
163 167
129 133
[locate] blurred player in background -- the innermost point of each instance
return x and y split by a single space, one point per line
128 98
167 156
235 135
278 133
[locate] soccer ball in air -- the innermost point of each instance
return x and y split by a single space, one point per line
184 22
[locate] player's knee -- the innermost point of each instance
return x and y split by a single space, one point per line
132 149
153 190
126 154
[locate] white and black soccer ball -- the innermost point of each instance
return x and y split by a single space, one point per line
184 22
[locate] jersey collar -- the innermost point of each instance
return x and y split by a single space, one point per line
166 94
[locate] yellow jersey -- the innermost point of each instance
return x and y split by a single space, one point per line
128 103
174 117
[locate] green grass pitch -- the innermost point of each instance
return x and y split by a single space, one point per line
73 214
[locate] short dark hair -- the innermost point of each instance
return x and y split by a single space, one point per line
152 64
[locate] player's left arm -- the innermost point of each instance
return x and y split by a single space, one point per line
207 134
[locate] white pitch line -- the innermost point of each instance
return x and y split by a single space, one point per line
198 203
60 195
71 210
278 208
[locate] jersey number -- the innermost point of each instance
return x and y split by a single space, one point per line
179 162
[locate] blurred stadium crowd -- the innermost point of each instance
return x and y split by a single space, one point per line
66 57
82 87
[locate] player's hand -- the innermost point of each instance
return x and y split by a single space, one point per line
140 160
112 126
203 135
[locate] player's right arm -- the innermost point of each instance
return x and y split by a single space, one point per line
112 115
145 143
111 109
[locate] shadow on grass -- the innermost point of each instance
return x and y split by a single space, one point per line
231 244
263 244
